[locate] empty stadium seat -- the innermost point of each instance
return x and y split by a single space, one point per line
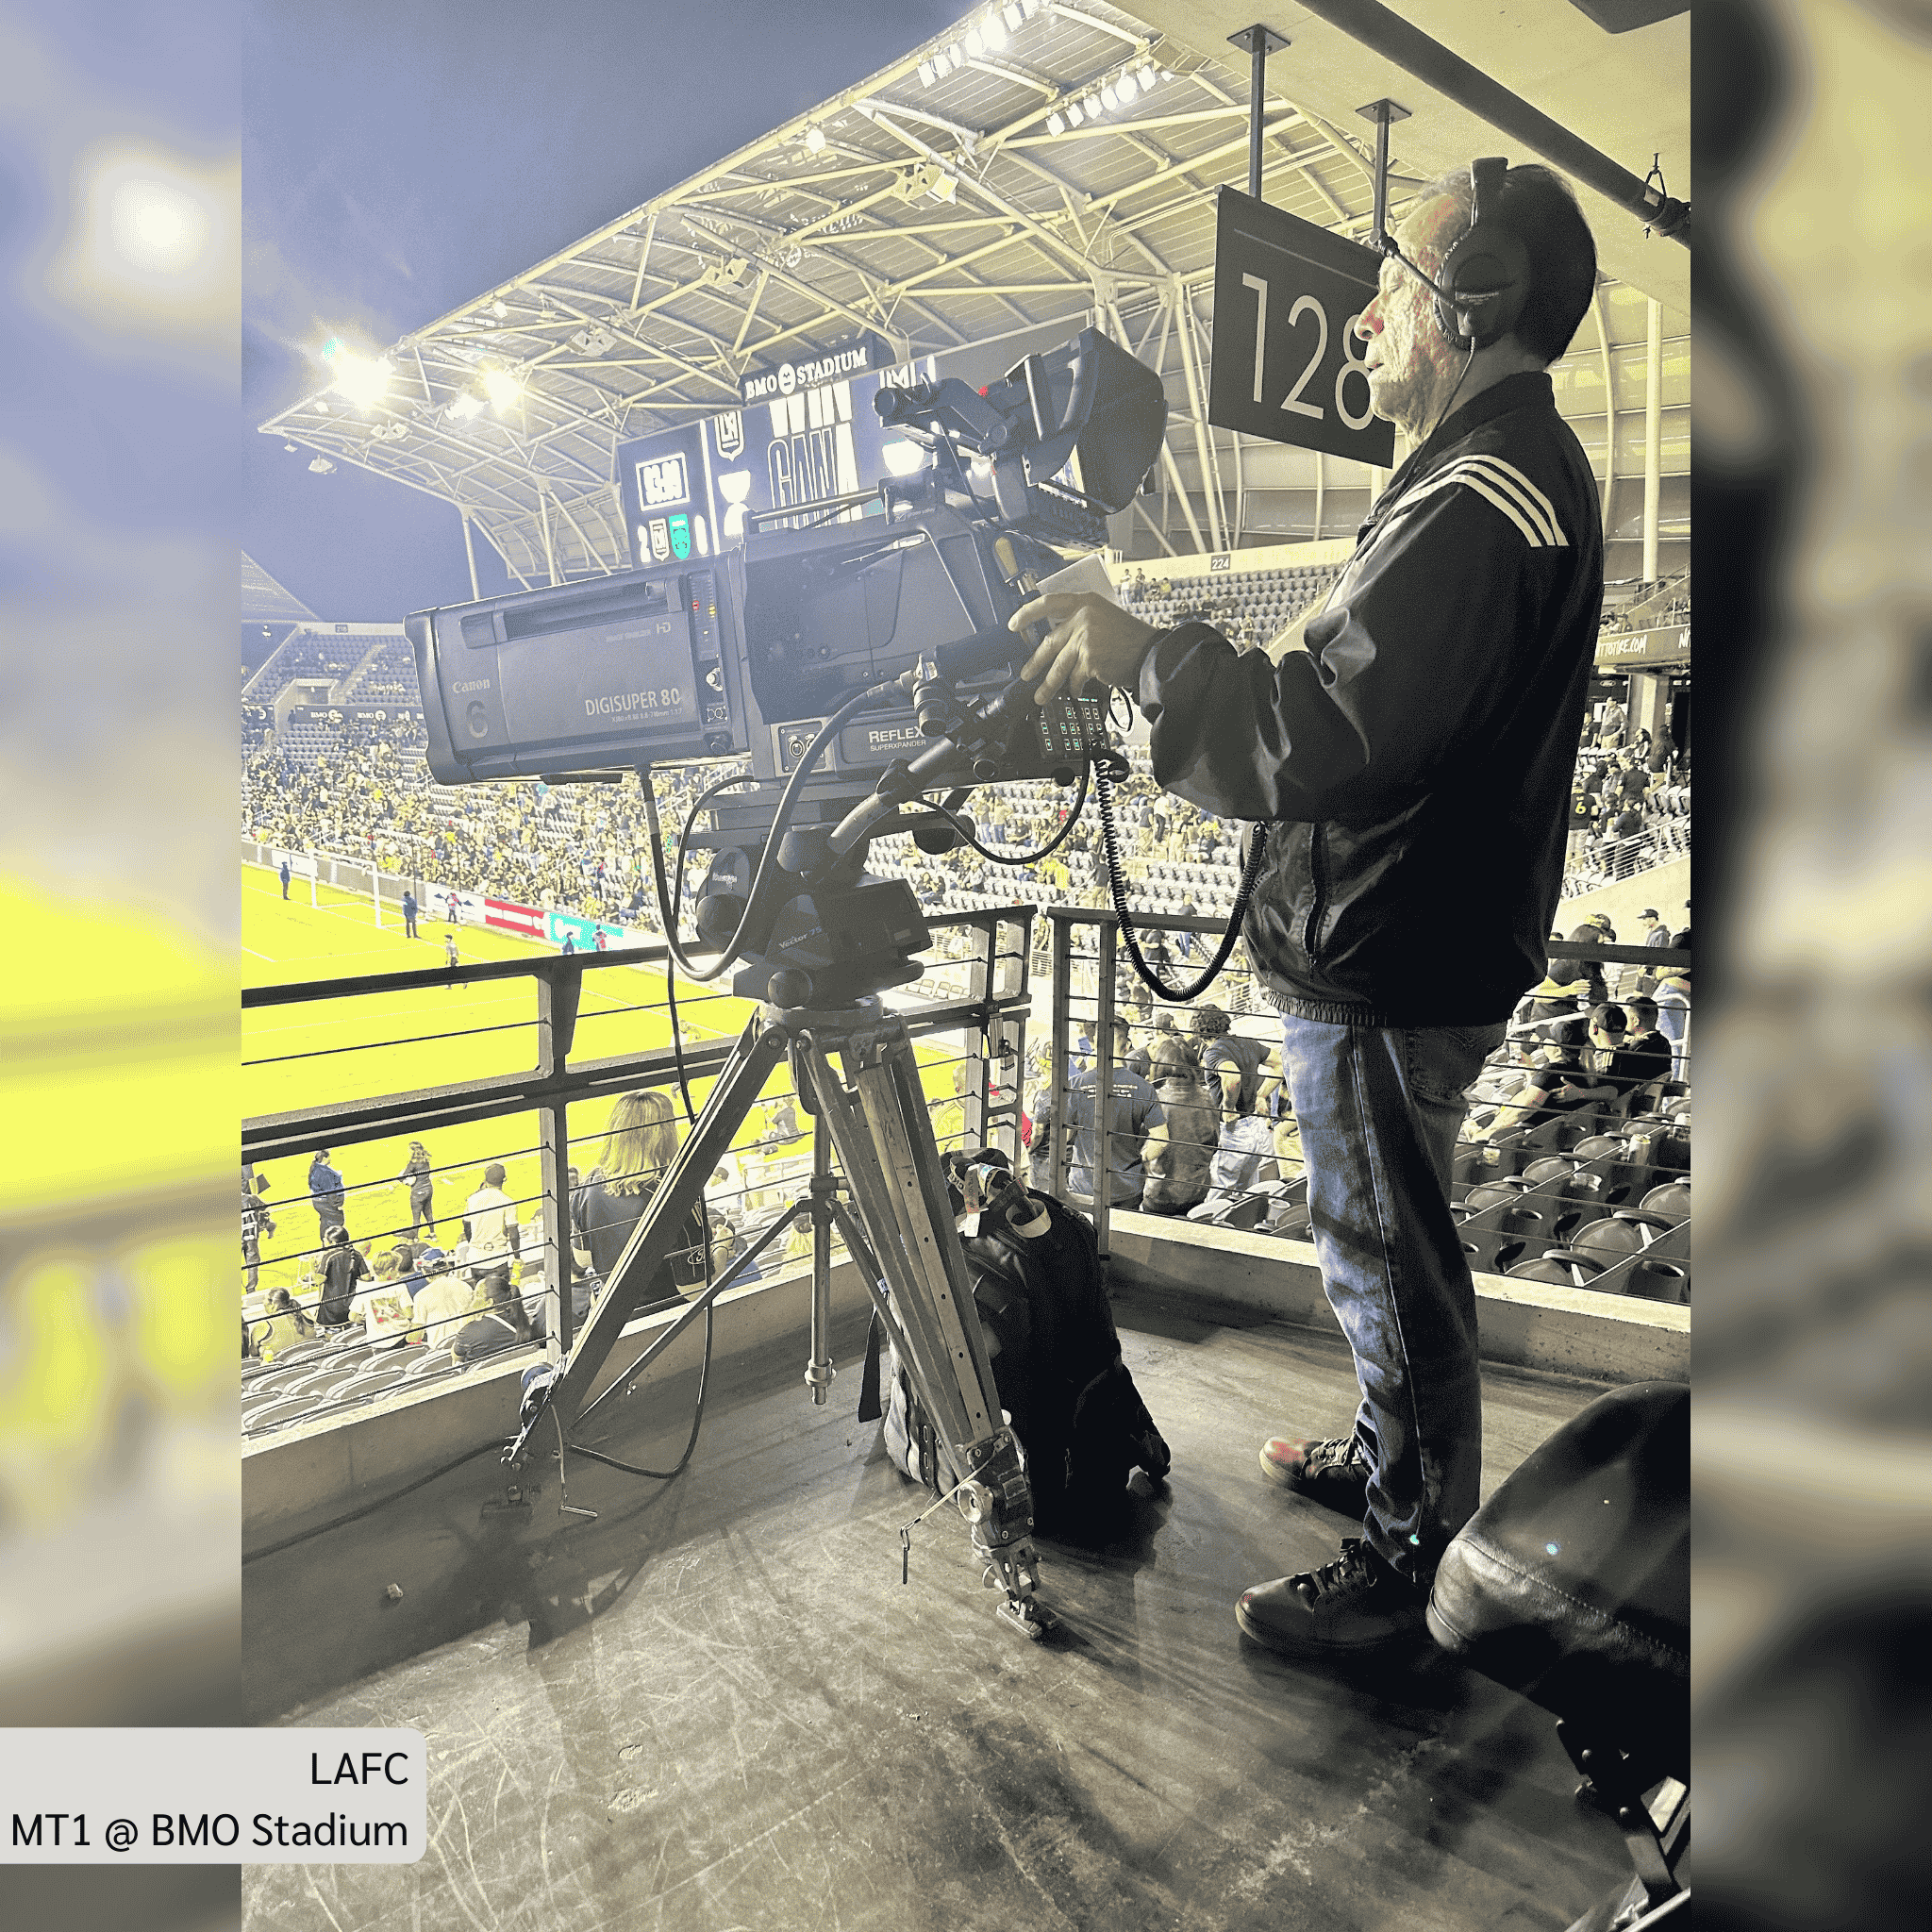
1571 1584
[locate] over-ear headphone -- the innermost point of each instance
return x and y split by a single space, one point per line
1485 277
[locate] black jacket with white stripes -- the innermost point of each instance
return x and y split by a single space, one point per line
1412 751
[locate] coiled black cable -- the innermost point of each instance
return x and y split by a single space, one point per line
1117 885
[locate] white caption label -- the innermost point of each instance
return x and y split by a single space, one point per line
217 1796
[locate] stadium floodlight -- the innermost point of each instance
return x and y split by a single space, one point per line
957 55
1109 99
1145 74
1013 16
501 388
975 42
499 309
323 467
926 73
1056 122
467 405
815 137
363 379
992 30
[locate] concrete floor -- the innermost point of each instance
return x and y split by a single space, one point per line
717 1707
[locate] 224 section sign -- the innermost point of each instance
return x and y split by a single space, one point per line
1287 360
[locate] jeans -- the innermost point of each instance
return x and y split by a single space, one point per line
1379 1109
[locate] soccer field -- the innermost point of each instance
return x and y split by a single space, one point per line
332 1051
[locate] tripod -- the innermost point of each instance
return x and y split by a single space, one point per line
899 1229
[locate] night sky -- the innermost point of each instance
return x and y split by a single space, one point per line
397 160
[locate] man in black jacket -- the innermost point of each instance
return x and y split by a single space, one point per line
1439 687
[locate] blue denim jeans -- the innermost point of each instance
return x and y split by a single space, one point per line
1379 1109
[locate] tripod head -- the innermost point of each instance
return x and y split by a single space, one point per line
811 925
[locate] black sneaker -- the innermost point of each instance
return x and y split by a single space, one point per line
1335 1472
1355 1603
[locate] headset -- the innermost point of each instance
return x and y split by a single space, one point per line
1485 274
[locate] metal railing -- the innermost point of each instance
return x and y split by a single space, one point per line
985 996
1086 967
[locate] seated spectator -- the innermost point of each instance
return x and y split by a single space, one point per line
1133 1109
1178 1152
1614 1074
284 1326
638 1148
584 1290
1646 1046
1560 995
384 1306
446 1304
415 1271
1590 968
1559 1085
343 1266
499 1323
727 1244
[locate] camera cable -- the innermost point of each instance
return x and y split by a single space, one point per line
1117 886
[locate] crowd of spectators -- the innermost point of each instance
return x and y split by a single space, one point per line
364 1309
356 785
1629 804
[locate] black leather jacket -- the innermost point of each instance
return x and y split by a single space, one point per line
1412 759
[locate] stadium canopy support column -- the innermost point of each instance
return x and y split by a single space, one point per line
470 551
1603 350
549 545
1652 432
1197 408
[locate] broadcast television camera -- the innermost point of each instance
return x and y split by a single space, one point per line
884 634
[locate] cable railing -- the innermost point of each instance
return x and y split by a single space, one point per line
967 1017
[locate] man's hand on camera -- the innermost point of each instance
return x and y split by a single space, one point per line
1090 639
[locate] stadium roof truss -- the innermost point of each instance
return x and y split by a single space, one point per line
932 204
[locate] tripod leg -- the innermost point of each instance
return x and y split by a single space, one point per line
661 1230
891 1167
819 1370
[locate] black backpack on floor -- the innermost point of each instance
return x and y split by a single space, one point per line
1043 1308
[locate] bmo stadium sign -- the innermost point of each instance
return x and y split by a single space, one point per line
1629 649
689 493
868 353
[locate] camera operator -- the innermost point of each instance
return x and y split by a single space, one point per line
1408 748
